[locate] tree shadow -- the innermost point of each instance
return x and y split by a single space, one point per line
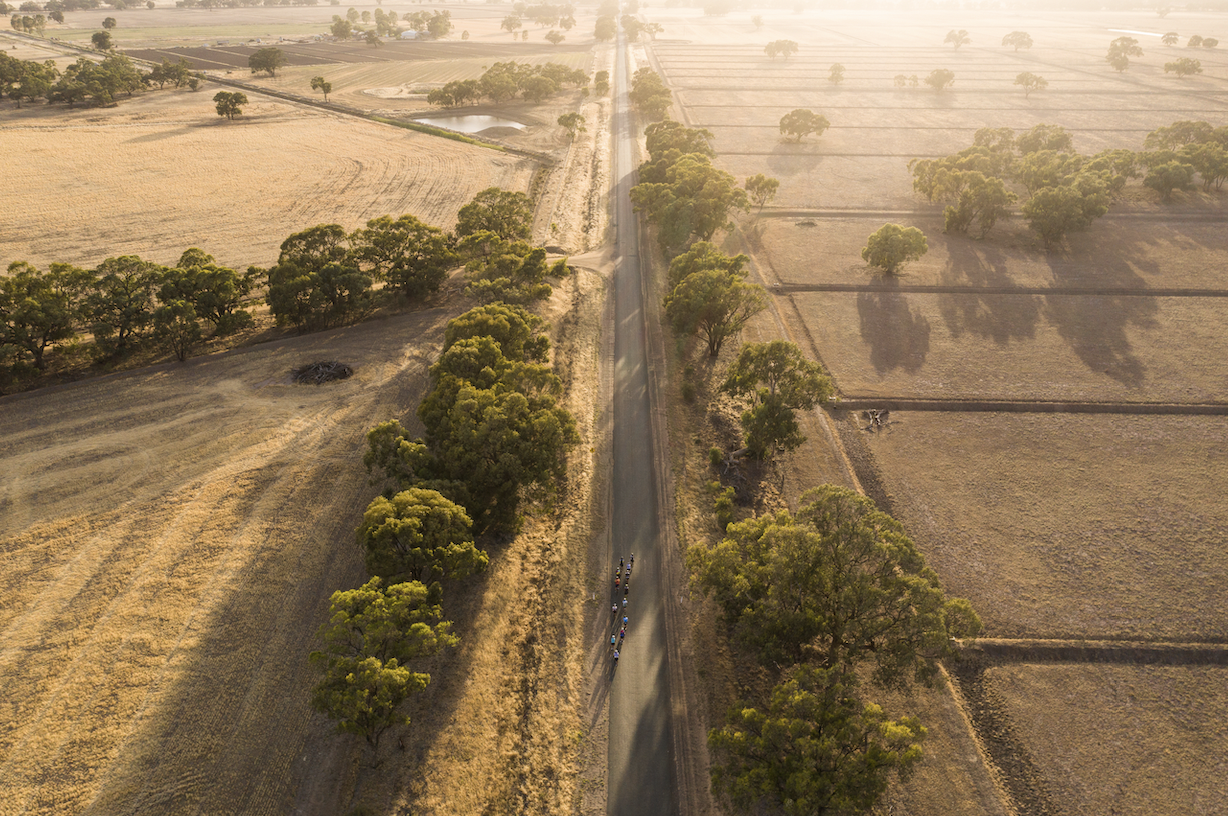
1001 318
1095 326
792 158
898 336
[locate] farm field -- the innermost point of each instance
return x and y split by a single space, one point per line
165 25
1054 526
169 539
168 542
1068 526
1092 753
176 175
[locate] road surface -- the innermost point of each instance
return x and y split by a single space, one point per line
641 766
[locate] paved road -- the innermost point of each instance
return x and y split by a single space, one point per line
641 777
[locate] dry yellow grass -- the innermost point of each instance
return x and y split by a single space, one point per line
1069 526
1122 739
401 85
168 544
162 172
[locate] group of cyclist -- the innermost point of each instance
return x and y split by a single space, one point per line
622 581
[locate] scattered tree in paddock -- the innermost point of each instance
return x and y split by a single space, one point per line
761 189
573 123
1170 38
510 23
1183 67
1210 42
267 59
555 37
1120 51
109 23
1194 42
364 696
900 80
1018 39
1031 82
757 21
957 38
836 76
101 40
891 246
785 48
940 78
802 122
322 85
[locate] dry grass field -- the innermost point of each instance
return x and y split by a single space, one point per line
169 539
168 542
1055 526
1069 526
162 172
165 25
1082 725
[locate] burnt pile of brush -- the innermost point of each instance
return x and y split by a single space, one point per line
322 372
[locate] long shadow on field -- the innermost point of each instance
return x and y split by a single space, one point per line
1096 326
792 158
1001 318
898 337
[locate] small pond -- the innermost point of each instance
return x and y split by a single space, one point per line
471 123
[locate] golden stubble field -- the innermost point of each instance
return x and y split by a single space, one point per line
1055 526
162 172
169 539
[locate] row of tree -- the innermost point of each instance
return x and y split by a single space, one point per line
679 189
1066 191
124 303
824 598
494 439
324 277
86 81
504 81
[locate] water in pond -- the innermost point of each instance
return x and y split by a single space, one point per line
471 123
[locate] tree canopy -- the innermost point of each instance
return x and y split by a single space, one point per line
778 381
419 535
509 215
815 750
958 38
802 122
1018 39
837 585
891 246
268 60
714 304
230 104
